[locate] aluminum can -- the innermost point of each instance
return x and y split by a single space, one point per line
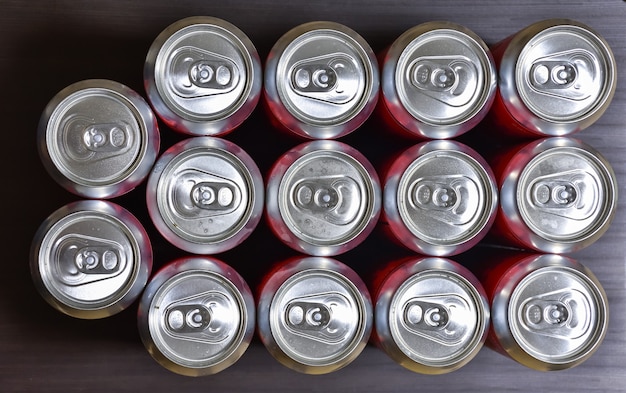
556 77
203 76
440 198
557 195
196 316
205 195
321 80
314 314
90 259
438 81
323 198
431 315
98 138
548 312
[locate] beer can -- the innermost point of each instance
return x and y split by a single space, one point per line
196 316
323 198
557 195
548 312
205 195
321 80
203 76
556 77
314 314
431 315
90 259
440 198
98 138
438 81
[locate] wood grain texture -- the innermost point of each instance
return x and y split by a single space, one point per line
46 45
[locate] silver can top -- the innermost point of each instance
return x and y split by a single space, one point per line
315 315
203 76
432 315
563 73
566 195
205 195
321 80
323 198
196 316
91 259
98 138
440 198
438 80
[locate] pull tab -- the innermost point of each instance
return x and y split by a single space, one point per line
570 74
334 199
440 318
199 194
572 194
321 317
88 141
450 199
81 259
562 314
332 78
198 73
449 79
208 317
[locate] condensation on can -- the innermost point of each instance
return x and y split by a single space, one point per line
556 77
314 314
321 80
438 81
196 316
205 195
98 138
90 259
203 76
431 315
323 198
440 198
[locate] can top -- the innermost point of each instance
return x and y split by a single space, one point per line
205 195
566 195
443 76
199 314
558 315
91 259
440 198
203 76
100 138
564 73
322 80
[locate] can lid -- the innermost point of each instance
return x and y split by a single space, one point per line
446 197
203 76
100 137
91 259
443 75
205 195
557 315
326 78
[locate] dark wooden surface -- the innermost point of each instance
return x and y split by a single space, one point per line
46 45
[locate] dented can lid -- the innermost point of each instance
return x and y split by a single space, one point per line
558 75
203 76
323 198
205 195
321 80
98 138
440 198
438 80
432 315
91 259
196 316
315 315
